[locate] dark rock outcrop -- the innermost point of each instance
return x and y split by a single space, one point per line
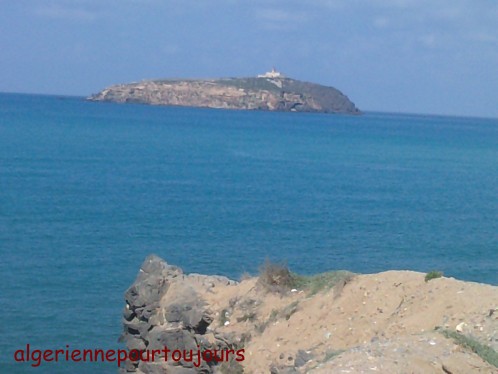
262 93
163 309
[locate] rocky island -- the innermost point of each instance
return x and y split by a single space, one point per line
270 92
335 322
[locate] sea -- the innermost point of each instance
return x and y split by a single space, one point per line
88 190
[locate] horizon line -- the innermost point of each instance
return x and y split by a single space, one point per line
364 111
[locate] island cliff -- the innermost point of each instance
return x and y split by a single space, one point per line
270 92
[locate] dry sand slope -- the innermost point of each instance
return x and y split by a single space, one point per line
381 323
391 322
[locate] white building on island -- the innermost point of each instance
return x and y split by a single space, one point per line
272 74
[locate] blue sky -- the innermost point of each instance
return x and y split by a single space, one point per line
415 56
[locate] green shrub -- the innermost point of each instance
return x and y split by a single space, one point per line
330 354
485 352
320 282
433 275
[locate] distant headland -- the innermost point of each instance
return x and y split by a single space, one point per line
271 91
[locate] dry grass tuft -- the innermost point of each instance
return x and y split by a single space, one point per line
275 277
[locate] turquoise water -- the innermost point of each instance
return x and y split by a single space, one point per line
87 190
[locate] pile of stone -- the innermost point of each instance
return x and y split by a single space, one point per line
162 310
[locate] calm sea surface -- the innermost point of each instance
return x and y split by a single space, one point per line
87 190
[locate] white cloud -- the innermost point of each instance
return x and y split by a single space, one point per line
381 22
280 15
55 11
484 37
428 41
280 19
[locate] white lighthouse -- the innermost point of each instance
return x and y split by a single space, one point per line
272 74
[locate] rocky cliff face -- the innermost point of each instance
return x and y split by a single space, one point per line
165 308
273 94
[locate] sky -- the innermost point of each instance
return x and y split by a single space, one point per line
411 56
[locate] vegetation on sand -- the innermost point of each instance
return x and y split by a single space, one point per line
276 277
433 275
487 353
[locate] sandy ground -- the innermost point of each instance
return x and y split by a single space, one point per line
381 323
